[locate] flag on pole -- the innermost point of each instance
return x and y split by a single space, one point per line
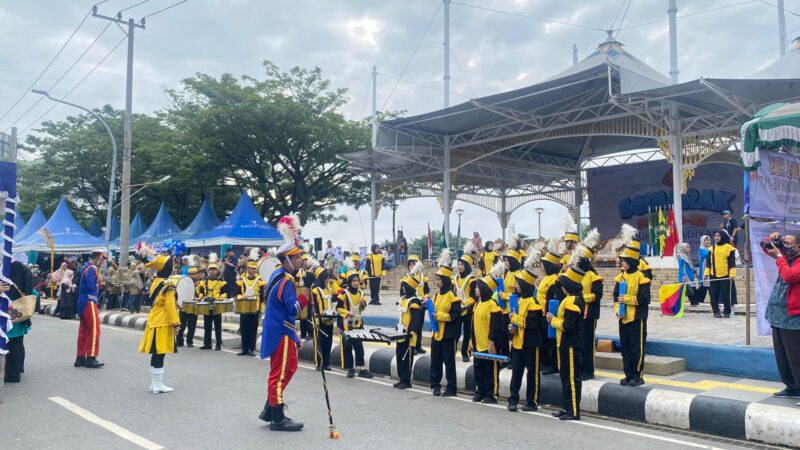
430 242
651 233
443 241
672 298
662 231
672 234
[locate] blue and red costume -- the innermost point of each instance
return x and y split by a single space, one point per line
89 328
279 339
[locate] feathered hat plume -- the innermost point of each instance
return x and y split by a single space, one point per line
514 242
254 254
469 248
289 227
534 254
497 270
213 258
444 259
625 236
592 239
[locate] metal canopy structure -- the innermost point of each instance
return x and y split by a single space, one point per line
503 151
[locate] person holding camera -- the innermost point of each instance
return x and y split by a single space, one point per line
783 311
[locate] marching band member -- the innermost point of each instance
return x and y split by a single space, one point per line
487 332
488 258
571 240
447 311
89 327
411 316
322 294
279 339
376 269
569 339
189 320
423 291
305 280
526 332
550 289
250 286
631 300
212 288
513 263
350 304
163 321
465 289
592 294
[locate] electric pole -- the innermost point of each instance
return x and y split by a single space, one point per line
125 214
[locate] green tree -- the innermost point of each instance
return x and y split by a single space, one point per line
277 137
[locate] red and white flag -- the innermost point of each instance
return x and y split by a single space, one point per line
672 234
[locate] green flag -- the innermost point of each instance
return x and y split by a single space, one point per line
651 232
443 243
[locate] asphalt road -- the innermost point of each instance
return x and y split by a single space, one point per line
218 397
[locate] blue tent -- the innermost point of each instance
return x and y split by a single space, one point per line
34 223
134 231
94 228
204 221
162 228
243 227
19 222
69 235
115 227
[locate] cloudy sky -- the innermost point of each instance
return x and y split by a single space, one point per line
492 52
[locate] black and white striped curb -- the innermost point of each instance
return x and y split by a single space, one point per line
689 411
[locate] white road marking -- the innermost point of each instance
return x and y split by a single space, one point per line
544 415
102 423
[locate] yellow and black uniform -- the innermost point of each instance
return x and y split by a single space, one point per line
569 341
163 321
632 289
513 259
465 290
211 289
188 321
549 289
526 343
349 305
323 301
487 332
447 309
251 286
722 270
423 290
592 294
376 269
487 260
411 317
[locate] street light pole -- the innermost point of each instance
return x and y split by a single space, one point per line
539 211
393 206
111 187
458 238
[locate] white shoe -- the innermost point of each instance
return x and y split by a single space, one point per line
152 380
159 387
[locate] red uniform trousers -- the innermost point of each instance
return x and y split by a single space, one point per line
89 332
282 366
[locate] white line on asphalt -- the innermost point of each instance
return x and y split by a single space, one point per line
544 415
102 423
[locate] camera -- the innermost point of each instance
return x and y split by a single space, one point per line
767 244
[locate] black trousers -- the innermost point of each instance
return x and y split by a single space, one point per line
187 321
633 338
405 361
720 290
589 326
522 360
248 329
15 359
699 295
571 362
787 355
323 344
487 377
466 336
550 353
347 347
216 320
443 354
423 318
503 347
306 327
375 289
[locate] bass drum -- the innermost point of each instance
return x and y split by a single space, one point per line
184 286
267 266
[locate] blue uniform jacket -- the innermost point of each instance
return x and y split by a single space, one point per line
87 289
281 312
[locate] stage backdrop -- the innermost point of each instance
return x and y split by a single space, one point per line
624 193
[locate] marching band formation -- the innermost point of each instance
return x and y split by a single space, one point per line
532 310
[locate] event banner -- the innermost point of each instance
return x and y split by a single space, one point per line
626 193
775 187
765 272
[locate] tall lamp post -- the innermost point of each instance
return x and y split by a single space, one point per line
111 188
539 211
458 239
393 205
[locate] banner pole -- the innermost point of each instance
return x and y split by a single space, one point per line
747 269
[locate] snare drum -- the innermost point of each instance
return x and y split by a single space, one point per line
202 308
189 306
246 305
222 306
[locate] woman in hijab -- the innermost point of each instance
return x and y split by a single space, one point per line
65 291
703 253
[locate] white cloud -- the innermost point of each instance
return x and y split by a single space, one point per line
364 30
